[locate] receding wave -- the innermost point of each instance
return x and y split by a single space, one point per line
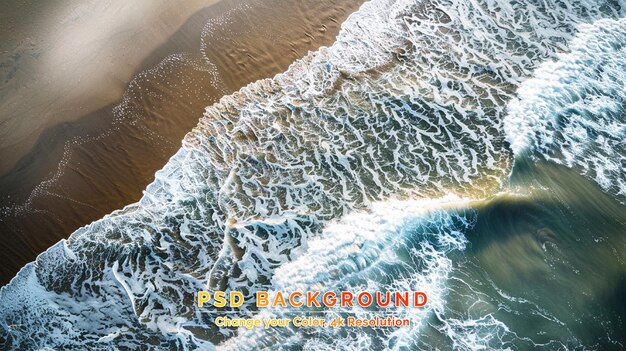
408 103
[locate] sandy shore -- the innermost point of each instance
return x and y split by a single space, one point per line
63 59
88 141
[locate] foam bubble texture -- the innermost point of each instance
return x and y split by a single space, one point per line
573 111
397 246
408 102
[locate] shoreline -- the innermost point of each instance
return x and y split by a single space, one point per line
82 170
60 61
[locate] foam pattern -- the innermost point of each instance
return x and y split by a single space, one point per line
396 246
573 112
408 103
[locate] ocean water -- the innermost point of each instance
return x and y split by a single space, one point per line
473 150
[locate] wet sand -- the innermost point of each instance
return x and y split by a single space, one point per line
60 60
81 168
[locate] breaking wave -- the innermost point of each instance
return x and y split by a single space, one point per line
407 104
397 246
574 111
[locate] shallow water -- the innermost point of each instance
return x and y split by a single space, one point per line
551 263
81 170
469 149
538 268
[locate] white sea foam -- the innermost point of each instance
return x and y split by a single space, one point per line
397 246
573 111
408 103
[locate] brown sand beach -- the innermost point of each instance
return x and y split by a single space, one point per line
96 97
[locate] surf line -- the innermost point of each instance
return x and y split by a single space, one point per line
300 299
